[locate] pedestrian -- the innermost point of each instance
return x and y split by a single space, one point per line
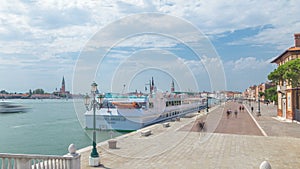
235 113
228 113
240 108
243 108
252 109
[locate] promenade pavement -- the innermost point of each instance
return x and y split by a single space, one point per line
220 145
271 124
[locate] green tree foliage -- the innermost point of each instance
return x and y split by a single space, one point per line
292 72
38 91
277 75
289 72
271 94
261 94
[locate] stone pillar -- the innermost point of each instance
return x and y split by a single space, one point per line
75 162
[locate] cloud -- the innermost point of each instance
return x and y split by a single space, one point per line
72 23
247 63
32 32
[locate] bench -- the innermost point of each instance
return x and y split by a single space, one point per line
146 133
166 124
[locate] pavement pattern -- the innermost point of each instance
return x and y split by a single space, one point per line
224 144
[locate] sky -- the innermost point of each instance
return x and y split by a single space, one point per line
199 44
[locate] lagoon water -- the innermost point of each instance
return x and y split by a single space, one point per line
47 128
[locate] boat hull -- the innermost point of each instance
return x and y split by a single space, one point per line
124 120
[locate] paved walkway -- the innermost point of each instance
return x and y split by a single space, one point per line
178 146
242 123
270 124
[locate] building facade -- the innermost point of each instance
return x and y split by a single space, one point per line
62 91
288 97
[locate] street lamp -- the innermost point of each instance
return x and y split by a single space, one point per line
207 102
258 109
93 105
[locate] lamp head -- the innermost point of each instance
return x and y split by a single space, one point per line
94 87
86 100
100 98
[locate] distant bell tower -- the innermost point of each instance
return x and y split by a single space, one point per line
172 86
297 39
63 86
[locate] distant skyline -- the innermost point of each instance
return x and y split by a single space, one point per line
41 41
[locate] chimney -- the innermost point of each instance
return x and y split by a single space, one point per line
297 39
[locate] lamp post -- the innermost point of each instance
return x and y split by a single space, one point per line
94 159
258 109
207 102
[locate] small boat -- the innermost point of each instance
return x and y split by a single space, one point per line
10 107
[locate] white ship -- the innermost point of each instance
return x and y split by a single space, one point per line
129 113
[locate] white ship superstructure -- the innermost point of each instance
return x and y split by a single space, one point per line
132 112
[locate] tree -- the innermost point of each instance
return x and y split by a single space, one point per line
271 94
38 91
289 72
292 72
277 75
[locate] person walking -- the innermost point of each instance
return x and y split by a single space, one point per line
235 113
252 109
228 113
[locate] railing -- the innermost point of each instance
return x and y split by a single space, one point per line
26 161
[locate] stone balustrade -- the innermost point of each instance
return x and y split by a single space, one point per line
27 161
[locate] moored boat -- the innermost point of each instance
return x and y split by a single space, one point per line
132 112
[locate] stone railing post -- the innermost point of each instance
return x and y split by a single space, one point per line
75 162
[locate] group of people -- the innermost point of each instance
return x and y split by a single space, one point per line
229 111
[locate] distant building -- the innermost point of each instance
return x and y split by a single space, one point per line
62 92
262 89
252 92
288 97
172 86
63 86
